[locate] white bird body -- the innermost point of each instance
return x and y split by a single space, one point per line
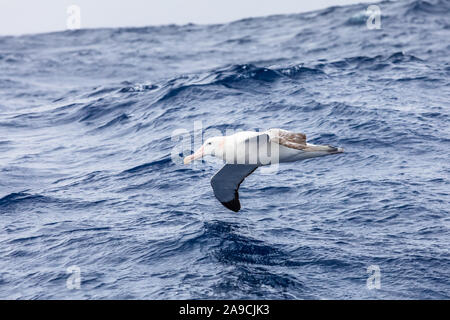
239 148
245 151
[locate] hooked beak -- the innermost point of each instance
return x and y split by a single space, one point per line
198 154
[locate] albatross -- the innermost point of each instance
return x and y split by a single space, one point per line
244 152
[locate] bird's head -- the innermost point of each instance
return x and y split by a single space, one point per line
213 146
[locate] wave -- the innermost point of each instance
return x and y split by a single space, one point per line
154 165
22 197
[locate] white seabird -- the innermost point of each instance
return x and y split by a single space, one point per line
244 152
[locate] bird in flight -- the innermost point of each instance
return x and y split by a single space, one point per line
244 152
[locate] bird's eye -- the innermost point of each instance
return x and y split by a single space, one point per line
209 143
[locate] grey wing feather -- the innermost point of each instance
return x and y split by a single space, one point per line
226 182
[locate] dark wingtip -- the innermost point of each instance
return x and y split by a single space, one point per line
233 205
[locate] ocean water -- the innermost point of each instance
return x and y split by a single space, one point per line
87 180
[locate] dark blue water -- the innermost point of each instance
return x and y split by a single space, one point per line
87 180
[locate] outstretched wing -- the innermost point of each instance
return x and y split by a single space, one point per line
226 182
293 140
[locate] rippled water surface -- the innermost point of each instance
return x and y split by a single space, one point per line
87 180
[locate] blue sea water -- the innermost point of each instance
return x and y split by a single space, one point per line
87 178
